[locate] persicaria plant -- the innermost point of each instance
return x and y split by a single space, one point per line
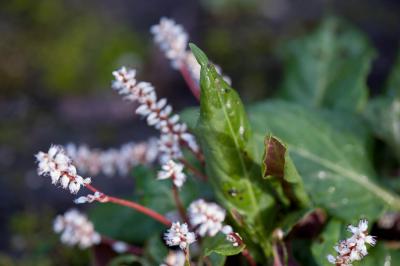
275 184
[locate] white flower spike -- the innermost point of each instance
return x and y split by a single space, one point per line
179 235
174 171
113 161
353 248
76 229
56 164
157 113
206 217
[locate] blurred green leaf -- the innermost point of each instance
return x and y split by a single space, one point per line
329 67
279 169
333 163
383 113
333 232
156 249
129 260
225 135
220 245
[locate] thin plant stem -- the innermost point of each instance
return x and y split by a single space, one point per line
277 259
193 86
133 205
193 169
248 257
179 204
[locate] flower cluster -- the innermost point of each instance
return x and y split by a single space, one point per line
179 235
173 41
76 229
112 161
206 217
157 112
56 164
353 248
174 171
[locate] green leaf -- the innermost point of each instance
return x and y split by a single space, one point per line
220 245
128 260
333 232
156 249
333 162
279 169
199 54
217 259
382 254
226 139
328 68
383 113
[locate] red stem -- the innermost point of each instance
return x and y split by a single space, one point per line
155 215
132 249
193 169
249 258
179 204
194 87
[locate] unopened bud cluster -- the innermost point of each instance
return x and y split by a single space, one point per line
56 164
174 171
157 112
76 229
112 161
206 217
173 41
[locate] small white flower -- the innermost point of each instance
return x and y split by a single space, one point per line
179 235
353 248
119 247
76 229
174 258
56 164
174 171
206 217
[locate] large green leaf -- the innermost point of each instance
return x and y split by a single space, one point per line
332 161
328 67
383 113
225 135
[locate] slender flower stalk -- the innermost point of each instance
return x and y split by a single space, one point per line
157 113
59 167
353 248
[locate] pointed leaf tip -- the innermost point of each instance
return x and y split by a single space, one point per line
199 54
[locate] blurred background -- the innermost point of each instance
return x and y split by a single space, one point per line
56 59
